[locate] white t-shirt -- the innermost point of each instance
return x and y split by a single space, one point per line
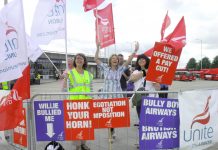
148 87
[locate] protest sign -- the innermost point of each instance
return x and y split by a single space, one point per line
20 132
163 63
159 123
49 120
111 113
78 120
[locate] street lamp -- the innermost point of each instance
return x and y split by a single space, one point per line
201 51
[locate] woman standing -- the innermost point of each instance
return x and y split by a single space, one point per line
80 81
112 74
140 83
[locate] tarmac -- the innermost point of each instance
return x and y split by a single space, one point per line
126 138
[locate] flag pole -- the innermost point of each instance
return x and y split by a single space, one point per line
52 63
98 42
29 112
98 34
5 2
65 15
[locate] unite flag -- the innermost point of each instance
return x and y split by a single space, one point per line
104 26
13 37
49 21
91 4
165 25
33 50
11 105
14 64
149 52
177 38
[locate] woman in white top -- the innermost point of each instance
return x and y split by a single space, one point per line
139 78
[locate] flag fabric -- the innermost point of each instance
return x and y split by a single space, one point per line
201 105
105 26
2 38
49 21
33 50
91 4
165 25
14 40
149 52
178 37
11 105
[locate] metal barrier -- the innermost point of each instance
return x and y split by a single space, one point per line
127 138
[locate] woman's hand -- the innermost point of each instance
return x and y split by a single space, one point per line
132 55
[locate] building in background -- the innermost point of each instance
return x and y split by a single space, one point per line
47 71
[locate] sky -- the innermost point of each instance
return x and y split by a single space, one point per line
138 20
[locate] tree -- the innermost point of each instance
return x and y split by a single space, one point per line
198 67
205 64
192 64
215 62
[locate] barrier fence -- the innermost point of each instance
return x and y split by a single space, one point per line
51 117
126 132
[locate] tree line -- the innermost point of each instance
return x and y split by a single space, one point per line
205 63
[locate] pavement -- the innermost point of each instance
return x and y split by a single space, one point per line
127 138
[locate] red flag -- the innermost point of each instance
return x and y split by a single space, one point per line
11 105
91 4
105 26
149 52
165 25
178 37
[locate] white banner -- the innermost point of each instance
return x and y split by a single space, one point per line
49 21
33 50
198 119
2 38
14 40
